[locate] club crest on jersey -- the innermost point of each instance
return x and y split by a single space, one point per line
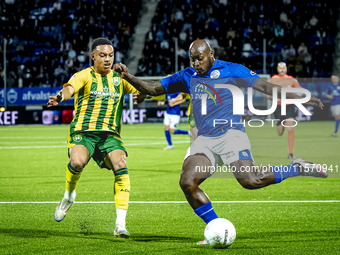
215 74
77 138
116 81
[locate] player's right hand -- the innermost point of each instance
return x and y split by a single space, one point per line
121 70
53 100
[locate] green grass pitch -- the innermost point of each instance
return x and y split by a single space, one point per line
32 169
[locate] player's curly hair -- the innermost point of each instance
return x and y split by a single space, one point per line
100 41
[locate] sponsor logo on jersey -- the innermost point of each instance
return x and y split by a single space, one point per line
210 94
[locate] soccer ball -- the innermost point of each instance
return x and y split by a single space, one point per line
220 233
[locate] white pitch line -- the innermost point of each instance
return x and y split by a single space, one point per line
177 202
65 146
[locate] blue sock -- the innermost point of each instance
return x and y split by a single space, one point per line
168 137
181 132
337 122
206 212
283 172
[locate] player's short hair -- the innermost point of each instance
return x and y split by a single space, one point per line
100 41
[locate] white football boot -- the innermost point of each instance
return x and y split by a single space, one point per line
121 232
64 205
309 169
169 147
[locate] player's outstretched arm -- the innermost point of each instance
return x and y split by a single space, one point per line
153 88
64 95
267 88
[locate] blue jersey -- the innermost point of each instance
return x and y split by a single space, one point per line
335 91
175 110
212 106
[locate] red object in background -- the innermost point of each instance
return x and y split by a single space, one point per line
67 116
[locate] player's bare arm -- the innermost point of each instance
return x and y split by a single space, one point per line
267 88
64 95
177 100
329 96
153 88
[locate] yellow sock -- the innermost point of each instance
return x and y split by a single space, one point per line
122 188
72 177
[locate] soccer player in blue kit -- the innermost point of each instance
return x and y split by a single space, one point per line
171 120
223 142
333 93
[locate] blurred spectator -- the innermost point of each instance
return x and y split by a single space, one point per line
313 21
247 49
119 56
283 17
59 75
11 79
72 54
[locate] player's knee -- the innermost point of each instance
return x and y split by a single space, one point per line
78 163
119 165
187 185
249 183
172 131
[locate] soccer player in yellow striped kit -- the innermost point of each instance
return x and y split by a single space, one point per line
94 132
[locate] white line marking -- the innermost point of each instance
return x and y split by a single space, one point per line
176 202
65 145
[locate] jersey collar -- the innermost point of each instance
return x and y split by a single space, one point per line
218 65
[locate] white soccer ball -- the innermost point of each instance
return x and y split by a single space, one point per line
220 233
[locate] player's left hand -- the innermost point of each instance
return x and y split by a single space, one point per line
121 70
138 98
315 102
172 102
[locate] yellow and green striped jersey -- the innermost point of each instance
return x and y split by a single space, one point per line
98 101
191 118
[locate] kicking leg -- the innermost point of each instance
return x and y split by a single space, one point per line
251 177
